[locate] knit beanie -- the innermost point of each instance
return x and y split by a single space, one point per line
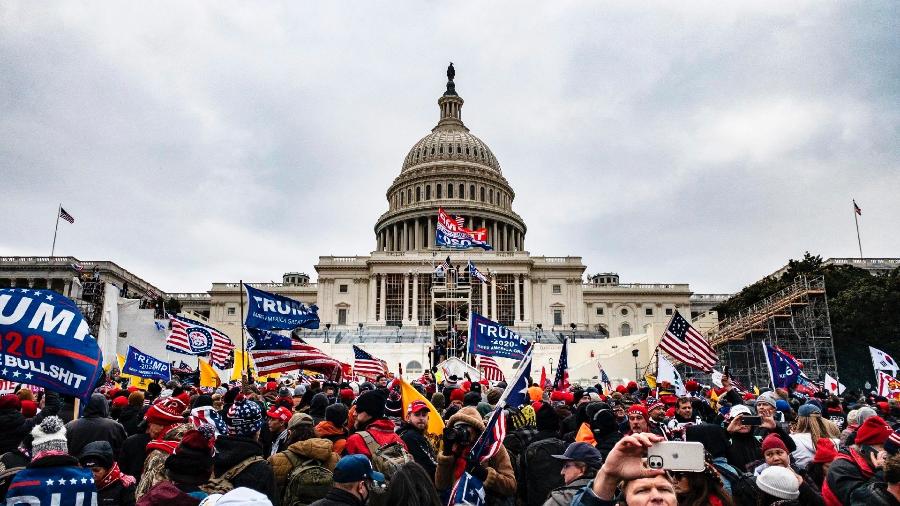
10 401
166 411
439 403
457 394
769 398
874 431
773 441
782 405
245 417
779 482
241 496
808 410
493 396
97 454
372 403
29 408
50 435
547 419
337 414
192 461
535 393
471 399
863 414
393 406
826 452
638 408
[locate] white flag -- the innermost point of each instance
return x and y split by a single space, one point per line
834 386
667 372
716 378
887 384
881 361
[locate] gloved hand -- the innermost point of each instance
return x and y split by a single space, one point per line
480 472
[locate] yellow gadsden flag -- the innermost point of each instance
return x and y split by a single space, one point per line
240 364
141 383
208 376
435 428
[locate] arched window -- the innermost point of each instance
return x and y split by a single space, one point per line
482 193
491 196
428 192
414 367
625 329
450 191
409 195
471 192
439 192
418 193
401 198
462 191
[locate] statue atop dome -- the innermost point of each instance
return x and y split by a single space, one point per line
451 86
451 72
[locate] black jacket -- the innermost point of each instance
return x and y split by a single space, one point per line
231 451
133 454
14 426
130 417
419 448
94 425
874 494
338 497
116 495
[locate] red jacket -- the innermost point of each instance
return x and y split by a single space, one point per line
382 431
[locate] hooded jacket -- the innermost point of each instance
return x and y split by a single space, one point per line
562 496
167 493
337 435
94 425
382 431
130 417
14 426
315 448
231 451
419 447
317 407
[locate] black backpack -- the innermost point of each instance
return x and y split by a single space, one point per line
540 471
743 486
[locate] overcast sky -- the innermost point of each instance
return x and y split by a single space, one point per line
196 142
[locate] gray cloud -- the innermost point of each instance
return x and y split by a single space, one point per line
207 142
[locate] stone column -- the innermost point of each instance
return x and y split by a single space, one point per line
396 238
405 299
493 298
416 236
495 239
527 289
371 302
415 299
405 241
430 233
381 302
516 298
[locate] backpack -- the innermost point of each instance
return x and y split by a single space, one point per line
743 486
387 460
307 482
222 484
540 470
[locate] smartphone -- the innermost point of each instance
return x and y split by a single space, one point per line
751 420
677 456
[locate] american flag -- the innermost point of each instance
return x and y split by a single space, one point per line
299 356
491 440
856 208
460 221
683 342
489 369
561 382
366 365
194 338
66 216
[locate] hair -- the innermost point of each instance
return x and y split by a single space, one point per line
816 471
301 433
136 399
891 468
702 486
411 486
25 394
683 400
817 427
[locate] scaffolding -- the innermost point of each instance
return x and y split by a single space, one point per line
795 319
451 298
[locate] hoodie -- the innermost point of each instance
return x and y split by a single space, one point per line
94 425
337 435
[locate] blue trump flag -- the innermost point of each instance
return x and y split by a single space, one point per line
269 311
46 342
264 340
468 491
53 485
491 339
783 370
139 364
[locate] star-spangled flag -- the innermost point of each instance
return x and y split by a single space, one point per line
489 369
881 361
297 356
364 364
66 216
683 342
561 382
468 491
491 440
604 379
475 273
194 338
265 340
516 392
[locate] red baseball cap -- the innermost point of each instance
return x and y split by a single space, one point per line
416 406
282 413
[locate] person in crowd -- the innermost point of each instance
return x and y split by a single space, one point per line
187 468
412 485
317 407
604 428
775 453
114 488
278 417
53 476
715 441
158 450
131 415
333 428
886 491
95 425
656 418
203 412
700 489
241 496
13 424
371 423
778 485
412 431
354 480
745 448
637 419
817 469
684 415
496 473
537 471
854 466
239 454
304 449
580 464
158 418
863 414
809 427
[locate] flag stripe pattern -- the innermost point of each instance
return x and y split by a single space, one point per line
366 365
66 216
489 369
491 439
300 356
561 381
683 342
194 338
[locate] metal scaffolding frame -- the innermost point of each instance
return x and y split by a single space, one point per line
451 298
796 319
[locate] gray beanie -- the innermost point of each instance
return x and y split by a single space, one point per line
779 482
767 397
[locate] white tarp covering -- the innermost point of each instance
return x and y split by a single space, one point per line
454 366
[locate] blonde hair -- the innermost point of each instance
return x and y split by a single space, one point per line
817 427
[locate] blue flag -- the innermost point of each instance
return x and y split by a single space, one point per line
46 342
53 485
468 491
783 370
264 340
491 339
516 393
139 364
269 311
491 439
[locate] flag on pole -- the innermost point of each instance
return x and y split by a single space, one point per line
687 344
468 491
489 369
491 440
856 208
667 372
475 273
561 382
834 386
194 338
208 376
298 356
364 364
783 371
66 216
604 379
435 428
516 393
888 386
881 361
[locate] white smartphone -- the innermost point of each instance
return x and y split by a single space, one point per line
677 456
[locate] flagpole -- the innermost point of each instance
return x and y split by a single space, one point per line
56 229
855 220
246 363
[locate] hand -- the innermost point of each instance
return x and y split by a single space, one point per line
768 422
735 424
877 459
625 462
480 472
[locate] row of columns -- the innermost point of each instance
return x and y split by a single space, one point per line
418 234
35 282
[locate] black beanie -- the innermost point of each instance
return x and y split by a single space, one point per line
371 403
337 414
603 423
192 461
471 399
547 419
97 454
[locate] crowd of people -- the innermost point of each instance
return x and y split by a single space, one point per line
298 441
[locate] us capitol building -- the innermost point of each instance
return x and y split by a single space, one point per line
392 295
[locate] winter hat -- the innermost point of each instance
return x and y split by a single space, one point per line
119 402
782 405
471 399
244 417
773 441
874 431
299 390
621 389
166 411
346 394
29 408
371 403
863 414
438 401
535 393
337 414
300 419
809 409
50 435
10 401
457 394
692 386
237 497
192 461
631 387
97 454
638 408
769 398
892 445
493 396
826 452
779 481
393 406
547 419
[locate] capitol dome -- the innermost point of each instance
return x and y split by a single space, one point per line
449 168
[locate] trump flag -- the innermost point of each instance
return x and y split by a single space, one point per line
270 311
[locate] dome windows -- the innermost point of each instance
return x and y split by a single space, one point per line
428 192
462 191
418 193
438 190
472 192
450 191
482 193
409 195
491 196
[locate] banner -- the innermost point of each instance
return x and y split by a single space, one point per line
881 361
264 340
135 381
516 393
269 311
46 342
489 338
435 428
667 372
834 386
888 386
475 273
783 371
138 363
451 234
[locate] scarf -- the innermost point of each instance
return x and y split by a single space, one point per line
459 467
162 445
114 475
